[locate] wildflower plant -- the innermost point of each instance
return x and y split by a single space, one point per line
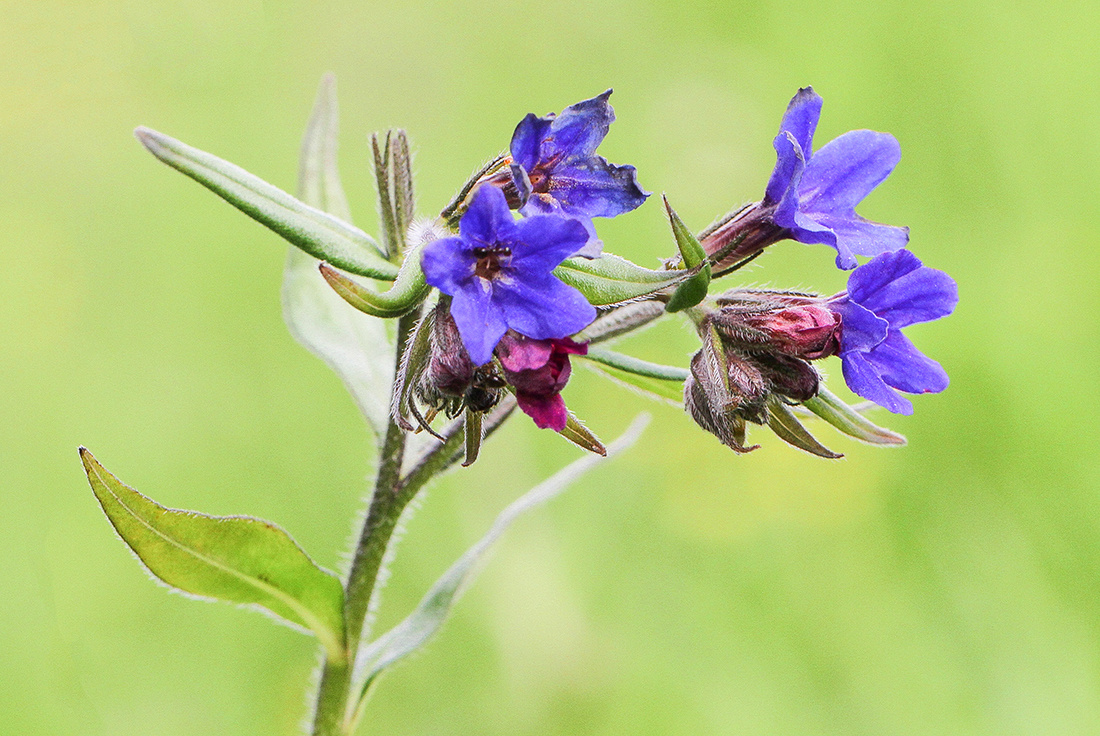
441 326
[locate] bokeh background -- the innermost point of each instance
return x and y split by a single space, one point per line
950 587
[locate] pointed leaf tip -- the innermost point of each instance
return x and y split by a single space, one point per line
238 559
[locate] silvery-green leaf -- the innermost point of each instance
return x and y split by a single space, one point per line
656 380
358 348
231 558
408 290
848 420
610 279
314 231
416 629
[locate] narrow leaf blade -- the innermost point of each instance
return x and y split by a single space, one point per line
419 627
317 233
829 407
612 280
232 558
360 350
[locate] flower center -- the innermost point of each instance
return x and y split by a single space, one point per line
489 260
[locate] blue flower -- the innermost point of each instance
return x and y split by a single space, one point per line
498 272
556 170
815 195
890 292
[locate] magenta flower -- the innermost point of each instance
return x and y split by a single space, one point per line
892 291
539 370
498 272
556 170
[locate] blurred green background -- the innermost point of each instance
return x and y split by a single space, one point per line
950 587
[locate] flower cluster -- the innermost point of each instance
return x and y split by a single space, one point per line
507 319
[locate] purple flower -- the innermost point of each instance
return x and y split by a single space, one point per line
498 272
539 370
556 170
890 292
811 197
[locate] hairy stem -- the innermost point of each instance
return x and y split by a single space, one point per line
385 509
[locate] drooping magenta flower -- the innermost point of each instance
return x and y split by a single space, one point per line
539 370
498 273
556 170
811 197
891 291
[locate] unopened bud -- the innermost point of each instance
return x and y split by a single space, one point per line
797 325
451 381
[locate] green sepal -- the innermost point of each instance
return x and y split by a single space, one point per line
693 290
829 407
238 559
408 290
609 279
787 427
321 235
581 436
471 433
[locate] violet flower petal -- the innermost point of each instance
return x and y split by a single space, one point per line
448 264
901 290
544 241
846 169
905 368
480 320
800 119
864 379
542 307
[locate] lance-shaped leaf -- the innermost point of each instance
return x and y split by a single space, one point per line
787 427
415 630
317 233
408 290
829 407
656 380
231 558
358 349
693 290
613 280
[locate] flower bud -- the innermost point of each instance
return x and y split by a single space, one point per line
797 325
451 380
723 390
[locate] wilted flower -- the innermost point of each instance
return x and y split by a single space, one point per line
499 273
811 197
892 291
539 370
555 168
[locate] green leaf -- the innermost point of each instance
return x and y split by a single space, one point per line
317 233
654 388
231 558
787 427
829 407
358 349
610 279
659 381
408 290
637 366
419 627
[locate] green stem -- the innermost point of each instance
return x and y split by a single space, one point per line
334 688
